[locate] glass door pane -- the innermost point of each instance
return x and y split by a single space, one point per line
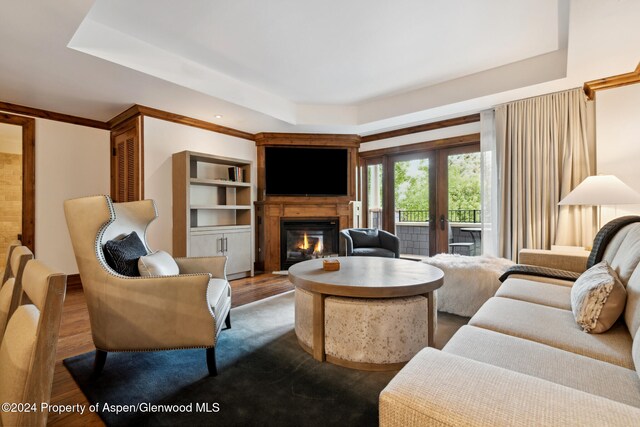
463 200
374 195
411 205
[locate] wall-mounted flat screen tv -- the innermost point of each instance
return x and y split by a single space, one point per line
297 171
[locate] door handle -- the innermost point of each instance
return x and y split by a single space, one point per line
226 244
442 221
219 245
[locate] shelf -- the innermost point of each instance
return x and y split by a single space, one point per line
209 207
218 228
234 207
210 158
218 182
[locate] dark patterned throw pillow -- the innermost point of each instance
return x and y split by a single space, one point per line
122 255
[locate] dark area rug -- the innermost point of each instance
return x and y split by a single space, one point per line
264 379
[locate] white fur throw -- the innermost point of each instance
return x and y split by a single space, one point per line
469 281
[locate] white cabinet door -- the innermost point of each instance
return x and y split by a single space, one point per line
206 244
238 249
236 245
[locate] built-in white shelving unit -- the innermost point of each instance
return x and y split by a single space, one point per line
213 209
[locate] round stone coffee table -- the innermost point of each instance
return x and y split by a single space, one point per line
374 313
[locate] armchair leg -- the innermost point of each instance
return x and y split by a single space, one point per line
227 321
99 361
211 362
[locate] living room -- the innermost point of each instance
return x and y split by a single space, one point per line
260 132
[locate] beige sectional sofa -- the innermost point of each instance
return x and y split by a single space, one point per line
523 360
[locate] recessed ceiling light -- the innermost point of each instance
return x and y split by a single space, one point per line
218 116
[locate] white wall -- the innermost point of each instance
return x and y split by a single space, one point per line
618 141
161 140
71 161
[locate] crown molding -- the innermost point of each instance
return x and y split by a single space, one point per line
454 141
592 86
50 115
317 139
471 118
141 110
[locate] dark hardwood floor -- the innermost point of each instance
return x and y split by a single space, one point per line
75 338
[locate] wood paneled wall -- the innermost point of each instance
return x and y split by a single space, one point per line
271 209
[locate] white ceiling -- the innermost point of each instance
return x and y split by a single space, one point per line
336 51
284 65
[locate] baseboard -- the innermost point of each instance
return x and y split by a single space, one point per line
74 282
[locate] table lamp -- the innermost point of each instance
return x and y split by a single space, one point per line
599 190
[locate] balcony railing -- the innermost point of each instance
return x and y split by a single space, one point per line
471 216
412 228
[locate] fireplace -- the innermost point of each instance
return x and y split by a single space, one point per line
305 239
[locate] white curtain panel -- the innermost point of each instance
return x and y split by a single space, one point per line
543 150
489 183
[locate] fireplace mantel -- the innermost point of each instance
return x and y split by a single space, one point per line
269 214
270 210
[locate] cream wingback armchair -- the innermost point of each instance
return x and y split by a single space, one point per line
181 311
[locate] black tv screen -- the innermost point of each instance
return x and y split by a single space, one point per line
295 171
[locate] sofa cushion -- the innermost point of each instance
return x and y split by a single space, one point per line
365 238
598 298
623 251
554 327
158 263
381 252
122 254
569 260
442 389
548 294
632 309
546 362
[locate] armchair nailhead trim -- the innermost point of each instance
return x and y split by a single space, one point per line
103 263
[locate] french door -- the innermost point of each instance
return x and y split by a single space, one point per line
374 192
430 199
413 179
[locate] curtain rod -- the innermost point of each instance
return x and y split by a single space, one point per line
538 96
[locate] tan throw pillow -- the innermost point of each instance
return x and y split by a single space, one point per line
598 298
158 263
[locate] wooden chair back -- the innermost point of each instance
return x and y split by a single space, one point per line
28 349
11 291
6 273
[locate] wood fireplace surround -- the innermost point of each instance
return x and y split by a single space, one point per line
270 210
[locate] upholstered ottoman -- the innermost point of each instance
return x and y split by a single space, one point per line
469 281
304 318
366 333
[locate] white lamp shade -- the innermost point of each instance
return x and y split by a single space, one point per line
602 190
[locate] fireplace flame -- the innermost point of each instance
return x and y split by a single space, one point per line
305 244
318 248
